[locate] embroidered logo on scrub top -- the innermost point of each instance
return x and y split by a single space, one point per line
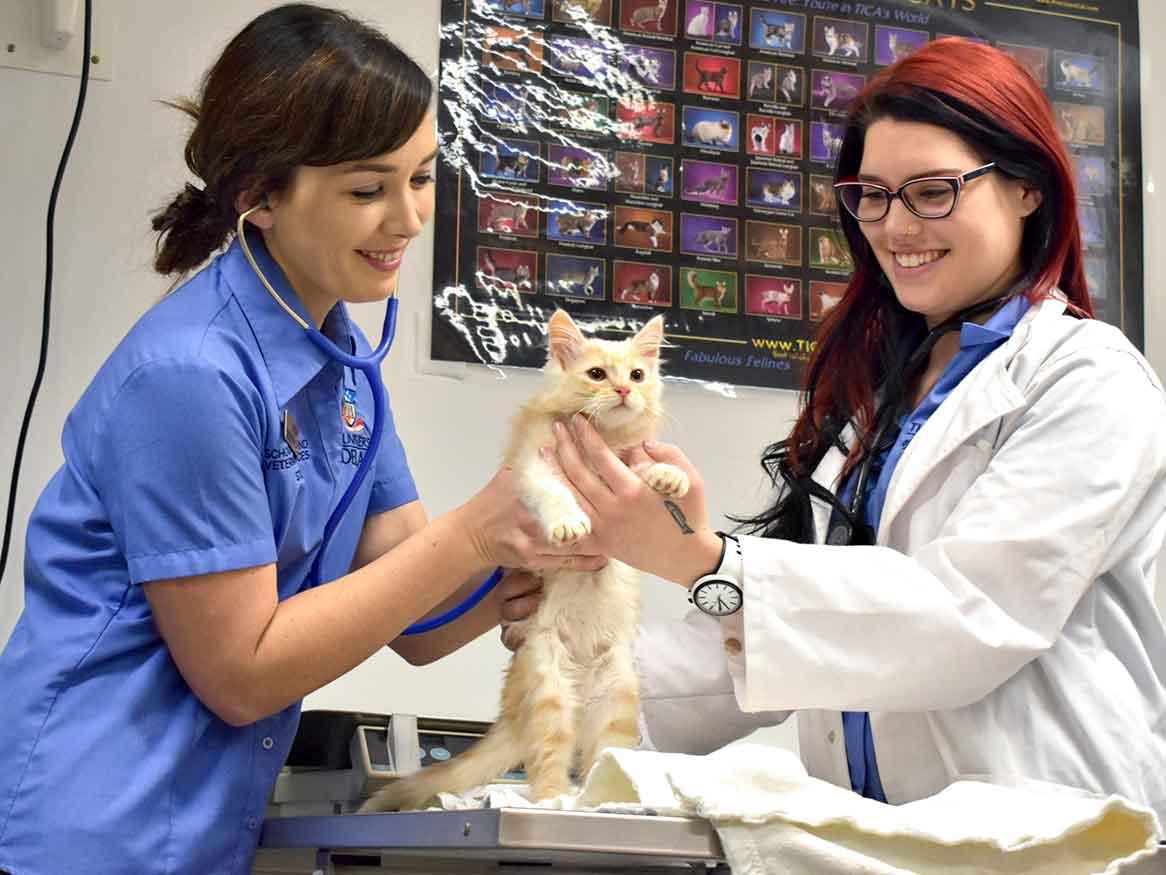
352 419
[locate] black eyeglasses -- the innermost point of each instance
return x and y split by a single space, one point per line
932 197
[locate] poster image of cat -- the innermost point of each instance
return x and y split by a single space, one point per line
774 189
1078 73
834 91
633 172
789 138
705 128
712 75
762 134
708 290
648 121
576 276
895 43
828 250
1080 124
777 31
523 8
708 182
641 282
577 58
660 176
1092 222
775 297
503 103
582 11
506 271
507 50
577 167
823 201
576 222
760 82
728 24
653 68
773 243
1035 59
824 297
656 17
825 141
642 228
713 22
510 159
508 214
840 40
585 112
1096 271
708 235
791 85
1091 172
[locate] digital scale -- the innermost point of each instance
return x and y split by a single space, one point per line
340 758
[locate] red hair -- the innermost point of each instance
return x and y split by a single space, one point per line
990 100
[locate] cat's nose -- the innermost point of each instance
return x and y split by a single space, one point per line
622 391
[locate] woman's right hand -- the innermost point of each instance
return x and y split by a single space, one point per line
519 595
504 532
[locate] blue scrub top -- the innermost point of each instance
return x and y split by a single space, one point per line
176 464
976 341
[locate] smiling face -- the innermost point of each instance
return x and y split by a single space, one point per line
939 267
339 232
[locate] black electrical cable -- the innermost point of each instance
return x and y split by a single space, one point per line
44 334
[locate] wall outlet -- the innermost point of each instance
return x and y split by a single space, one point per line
22 48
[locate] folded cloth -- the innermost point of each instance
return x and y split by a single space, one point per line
774 818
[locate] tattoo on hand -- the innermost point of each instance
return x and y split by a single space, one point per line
678 515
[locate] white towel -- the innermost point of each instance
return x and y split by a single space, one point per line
774 818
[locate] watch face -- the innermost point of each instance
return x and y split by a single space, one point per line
717 598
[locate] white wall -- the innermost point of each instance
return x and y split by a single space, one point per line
127 162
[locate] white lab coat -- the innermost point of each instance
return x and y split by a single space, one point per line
1003 628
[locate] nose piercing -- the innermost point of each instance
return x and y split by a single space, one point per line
913 230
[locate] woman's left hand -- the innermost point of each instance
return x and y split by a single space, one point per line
665 535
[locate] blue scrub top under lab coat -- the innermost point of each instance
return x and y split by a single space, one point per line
976 341
176 464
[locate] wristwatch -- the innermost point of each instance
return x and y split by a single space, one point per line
720 593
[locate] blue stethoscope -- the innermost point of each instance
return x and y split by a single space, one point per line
370 366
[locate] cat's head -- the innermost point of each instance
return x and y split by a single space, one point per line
613 382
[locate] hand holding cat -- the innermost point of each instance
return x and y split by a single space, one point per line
518 595
503 532
652 515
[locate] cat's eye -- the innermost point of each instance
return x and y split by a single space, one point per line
637 375
597 373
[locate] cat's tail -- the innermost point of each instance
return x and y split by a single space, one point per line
490 758
692 280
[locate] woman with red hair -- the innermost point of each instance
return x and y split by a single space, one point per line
956 577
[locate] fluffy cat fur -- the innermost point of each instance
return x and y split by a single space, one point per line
571 689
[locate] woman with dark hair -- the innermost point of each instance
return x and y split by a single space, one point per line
172 619
956 577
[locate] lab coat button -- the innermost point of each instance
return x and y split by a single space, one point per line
268 743
831 736
732 646
252 823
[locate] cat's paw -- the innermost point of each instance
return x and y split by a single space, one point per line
667 479
568 527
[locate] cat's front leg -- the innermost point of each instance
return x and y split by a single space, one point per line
553 504
664 478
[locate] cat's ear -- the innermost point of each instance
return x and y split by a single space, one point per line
648 339
564 338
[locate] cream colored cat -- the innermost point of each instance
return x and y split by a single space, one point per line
571 689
